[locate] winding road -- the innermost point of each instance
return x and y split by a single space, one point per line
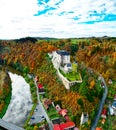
43 112
102 101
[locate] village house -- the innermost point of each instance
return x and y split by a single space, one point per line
41 89
58 108
112 107
64 126
84 118
104 113
47 103
109 81
63 112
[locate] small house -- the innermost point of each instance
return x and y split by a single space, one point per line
47 103
110 81
111 111
84 118
58 108
104 113
114 105
103 121
64 126
67 125
41 88
63 112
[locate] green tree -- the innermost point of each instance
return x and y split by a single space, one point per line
80 102
25 70
83 90
73 49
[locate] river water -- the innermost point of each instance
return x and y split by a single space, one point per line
21 103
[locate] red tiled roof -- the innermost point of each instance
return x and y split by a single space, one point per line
56 127
104 112
64 126
98 128
40 86
67 125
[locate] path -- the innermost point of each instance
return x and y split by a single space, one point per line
41 108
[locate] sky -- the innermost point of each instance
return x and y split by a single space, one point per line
57 18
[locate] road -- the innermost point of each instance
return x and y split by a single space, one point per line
94 125
9 126
43 112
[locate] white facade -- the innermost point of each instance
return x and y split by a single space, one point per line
60 57
56 59
67 68
84 118
65 59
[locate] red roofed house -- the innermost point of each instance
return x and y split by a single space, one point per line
104 112
67 125
56 127
98 128
64 126
41 88
63 112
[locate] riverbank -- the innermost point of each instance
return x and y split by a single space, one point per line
21 102
5 92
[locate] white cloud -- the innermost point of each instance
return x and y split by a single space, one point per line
17 18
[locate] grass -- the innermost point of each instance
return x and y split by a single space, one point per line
52 113
71 76
76 41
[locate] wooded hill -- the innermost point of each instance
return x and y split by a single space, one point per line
97 53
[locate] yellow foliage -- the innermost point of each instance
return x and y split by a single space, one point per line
36 127
92 84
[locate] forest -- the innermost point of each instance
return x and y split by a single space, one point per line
96 53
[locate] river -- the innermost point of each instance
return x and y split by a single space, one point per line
21 103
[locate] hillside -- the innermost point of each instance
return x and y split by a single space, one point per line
97 53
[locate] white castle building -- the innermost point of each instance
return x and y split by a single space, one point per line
61 57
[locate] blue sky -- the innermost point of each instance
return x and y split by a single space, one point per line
57 18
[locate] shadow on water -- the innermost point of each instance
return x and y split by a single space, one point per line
11 69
